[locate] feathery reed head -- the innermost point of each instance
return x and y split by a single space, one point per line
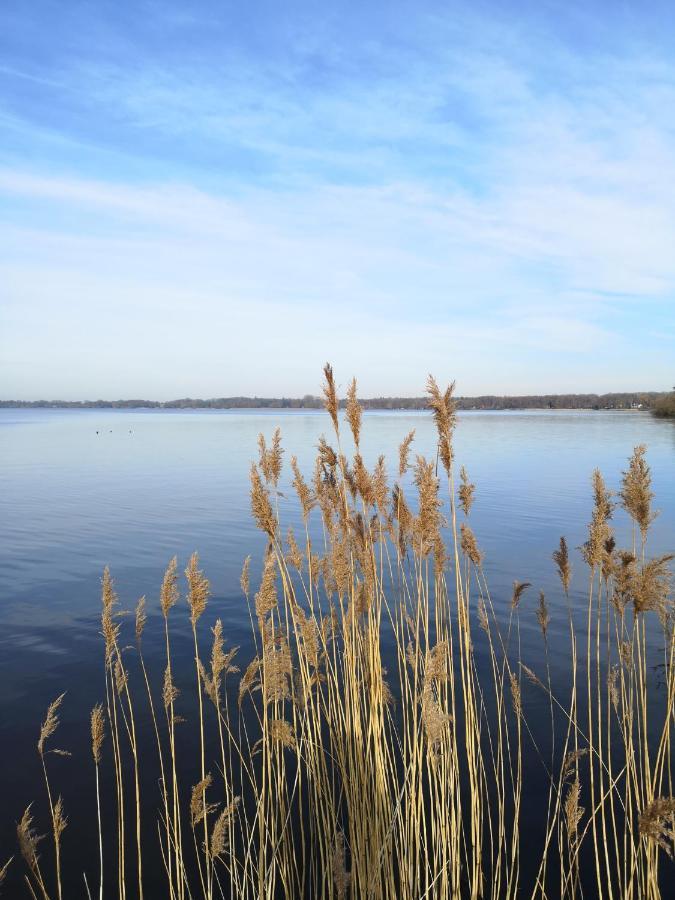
294 556
261 506
435 722
141 619
28 839
602 497
466 492
354 412
50 724
404 453
220 840
221 663
169 692
277 672
281 732
428 519
169 594
244 579
271 458
543 616
573 811
109 629
97 732
59 820
636 492
330 400
516 697
519 588
266 597
656 823
562 560
305 496
469 545
199 808
443 408
198 588
651 586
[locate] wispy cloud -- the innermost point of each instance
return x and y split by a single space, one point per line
470 195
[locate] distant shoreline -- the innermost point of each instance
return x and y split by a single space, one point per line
645 400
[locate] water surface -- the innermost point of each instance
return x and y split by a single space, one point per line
87 488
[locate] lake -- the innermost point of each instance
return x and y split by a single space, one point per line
83 489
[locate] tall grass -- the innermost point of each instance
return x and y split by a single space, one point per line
323 773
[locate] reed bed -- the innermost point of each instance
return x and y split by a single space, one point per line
363 751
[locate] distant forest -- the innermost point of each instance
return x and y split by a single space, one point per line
636 400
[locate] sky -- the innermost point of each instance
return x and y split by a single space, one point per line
210 199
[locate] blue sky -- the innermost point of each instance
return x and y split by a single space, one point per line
212 198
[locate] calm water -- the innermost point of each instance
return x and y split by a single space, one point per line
82 489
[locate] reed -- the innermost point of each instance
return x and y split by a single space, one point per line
380 742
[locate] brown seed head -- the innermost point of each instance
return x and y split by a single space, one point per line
220 840
97 732
651 587
404 453
482 616
198 805
330 400
170 692
429 519
28 839
573 811
277 672
266 598
466 492
656 823
109 629
50 724
294 556
598 530
271 458
562 561
354 412
261 507
636 491
379 485
249 678
542 614
121 677
59 820
302 489
612 687
469 545
519 588
141 618
281 732
198 589
169 594
437 664
244 579
515 695
435 722
443 408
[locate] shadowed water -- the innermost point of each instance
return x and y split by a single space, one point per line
83 489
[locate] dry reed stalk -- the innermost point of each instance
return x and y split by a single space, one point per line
97 738
197 597
59 821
